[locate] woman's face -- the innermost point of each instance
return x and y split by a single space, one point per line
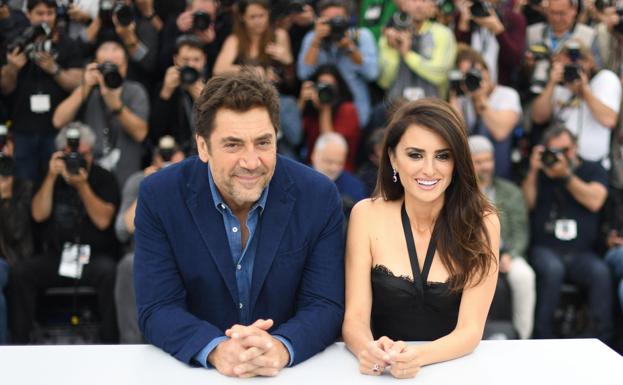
256 19
424 163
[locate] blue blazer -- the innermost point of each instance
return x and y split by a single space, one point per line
184 274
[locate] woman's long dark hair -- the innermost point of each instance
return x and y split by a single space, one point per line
244 40
461 235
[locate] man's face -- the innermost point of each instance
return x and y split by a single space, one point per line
484 164
419 10
560 15
564 144
111 52
192 57
330 160
242 153
42 14
207 6
331 12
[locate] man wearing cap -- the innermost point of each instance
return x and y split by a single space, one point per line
514 233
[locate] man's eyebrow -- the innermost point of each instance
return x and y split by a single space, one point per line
231 139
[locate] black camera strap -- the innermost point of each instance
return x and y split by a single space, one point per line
109 137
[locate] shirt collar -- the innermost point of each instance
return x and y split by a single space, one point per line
220 204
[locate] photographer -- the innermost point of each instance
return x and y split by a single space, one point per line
415 54
167 153
206 21
123 21
489 109
16 241
565 194
171 112
116 108
546 40
609 39
326 105
352 50
586 100
12 23
42 67
76 205
497 32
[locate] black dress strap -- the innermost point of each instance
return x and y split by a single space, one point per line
418 278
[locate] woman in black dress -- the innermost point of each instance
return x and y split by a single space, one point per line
421 259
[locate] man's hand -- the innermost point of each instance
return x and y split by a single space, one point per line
92 76
405 40
393 38
46 62
16 59
560 169
556 73
171 82
111 97
57 164
185 21
321 30
264 355
127 33
78 15
535 158
76 181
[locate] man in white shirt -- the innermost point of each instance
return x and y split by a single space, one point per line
584 98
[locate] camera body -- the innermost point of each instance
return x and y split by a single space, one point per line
74 161
401 21
472 80
188 75
549 157
327 93
201 21
111 74
124 14
480 8
339 25
572 71
446 7
540 74
35 39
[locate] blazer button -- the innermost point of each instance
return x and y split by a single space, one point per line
241 305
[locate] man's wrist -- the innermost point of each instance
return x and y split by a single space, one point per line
118 110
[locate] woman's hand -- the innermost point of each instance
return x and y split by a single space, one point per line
376 357
406 361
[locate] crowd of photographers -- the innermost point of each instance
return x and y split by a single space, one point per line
98 94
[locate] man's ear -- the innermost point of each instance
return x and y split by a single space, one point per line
203 148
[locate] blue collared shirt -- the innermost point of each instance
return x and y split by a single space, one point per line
243 258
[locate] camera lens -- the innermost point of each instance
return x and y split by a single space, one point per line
473 78
188 75
326 93
124 14
201 21
112 77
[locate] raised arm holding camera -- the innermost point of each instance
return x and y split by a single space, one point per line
42 66
352 50
171 112
565 194
415 53
584 98
116 108
76 205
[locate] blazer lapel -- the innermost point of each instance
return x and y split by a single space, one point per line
275 217
210 224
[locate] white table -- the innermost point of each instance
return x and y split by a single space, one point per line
536 362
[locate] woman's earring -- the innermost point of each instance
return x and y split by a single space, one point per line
395 176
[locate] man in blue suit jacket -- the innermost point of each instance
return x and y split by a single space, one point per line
239 253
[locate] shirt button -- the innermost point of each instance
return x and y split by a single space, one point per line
241 305
239 267
234 229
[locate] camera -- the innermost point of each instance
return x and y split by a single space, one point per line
602 4
201 21
110 72
7 163
327 93
549 157
618 27
541 54
472 80
166 149
106 11
74 161
339 25
188 75
400 21
288 7
571 73
124 14
480 8
35 39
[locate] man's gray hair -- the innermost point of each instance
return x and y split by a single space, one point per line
327 138
87 135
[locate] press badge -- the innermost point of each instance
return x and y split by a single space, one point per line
413 93
73 259
566 229
40 103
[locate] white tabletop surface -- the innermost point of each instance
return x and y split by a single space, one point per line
568 362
